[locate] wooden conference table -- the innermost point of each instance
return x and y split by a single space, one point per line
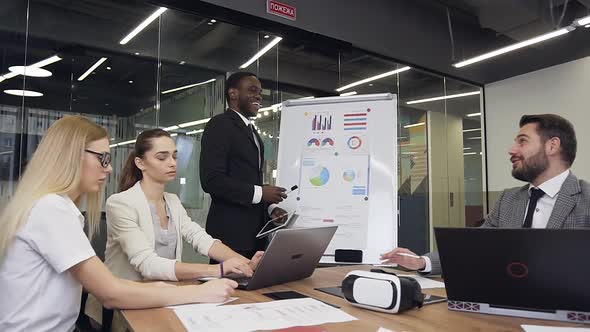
433 317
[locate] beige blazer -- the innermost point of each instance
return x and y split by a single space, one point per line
130 250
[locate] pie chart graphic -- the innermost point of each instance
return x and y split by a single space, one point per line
313 142
354 142
349 175
327 141
319 176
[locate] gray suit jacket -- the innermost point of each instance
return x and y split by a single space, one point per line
571 210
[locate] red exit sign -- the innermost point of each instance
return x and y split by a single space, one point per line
281 9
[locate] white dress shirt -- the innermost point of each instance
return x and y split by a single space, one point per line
257 197
546 203
544 207
38 292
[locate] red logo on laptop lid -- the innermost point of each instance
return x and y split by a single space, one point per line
517 270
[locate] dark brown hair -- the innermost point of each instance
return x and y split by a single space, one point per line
552 125
131 174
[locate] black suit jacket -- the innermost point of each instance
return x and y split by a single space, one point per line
229 170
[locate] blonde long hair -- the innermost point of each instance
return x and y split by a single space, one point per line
55 168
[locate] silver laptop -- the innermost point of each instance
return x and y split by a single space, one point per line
292 254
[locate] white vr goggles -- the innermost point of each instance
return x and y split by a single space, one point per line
383 291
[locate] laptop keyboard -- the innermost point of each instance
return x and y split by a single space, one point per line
240 279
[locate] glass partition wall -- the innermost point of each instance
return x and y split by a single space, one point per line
171 74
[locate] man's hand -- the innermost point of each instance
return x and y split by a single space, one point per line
278 212
273 194
411 263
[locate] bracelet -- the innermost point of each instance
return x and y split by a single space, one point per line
221 268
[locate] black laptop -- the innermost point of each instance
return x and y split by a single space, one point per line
535 273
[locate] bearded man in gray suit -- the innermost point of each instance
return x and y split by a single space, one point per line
542 154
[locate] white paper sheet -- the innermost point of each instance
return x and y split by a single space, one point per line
200 306
537 328
425 283
261 316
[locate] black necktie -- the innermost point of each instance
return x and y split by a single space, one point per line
535 195
255 141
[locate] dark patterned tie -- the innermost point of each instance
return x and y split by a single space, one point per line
535 195
255 142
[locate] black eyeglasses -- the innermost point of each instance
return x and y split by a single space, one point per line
104 157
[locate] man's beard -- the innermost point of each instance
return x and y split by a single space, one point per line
244 105
532 167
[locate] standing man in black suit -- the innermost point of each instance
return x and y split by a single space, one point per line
232 156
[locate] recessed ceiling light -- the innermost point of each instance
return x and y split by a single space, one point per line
109 68
91 69
261 52
213 21
136 53
39 64
171 128
194 123
266 36
415 125
210 23
142 25
370 84
458 95
195 132
30 71
188 86
182 62
130 82
23 93
373 78
583 21
514 47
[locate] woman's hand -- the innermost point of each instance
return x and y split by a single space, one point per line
215 291
238 265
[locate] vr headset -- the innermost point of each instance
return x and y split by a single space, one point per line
382 291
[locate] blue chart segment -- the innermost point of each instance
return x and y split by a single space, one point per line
349 175
327 142
359 190
319 176
355 121
313 142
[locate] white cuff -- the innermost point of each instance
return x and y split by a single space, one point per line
428 266
272 207
257 195
170 270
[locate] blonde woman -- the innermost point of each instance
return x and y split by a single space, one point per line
45 257
146 225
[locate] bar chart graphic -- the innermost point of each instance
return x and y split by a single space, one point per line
321 122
